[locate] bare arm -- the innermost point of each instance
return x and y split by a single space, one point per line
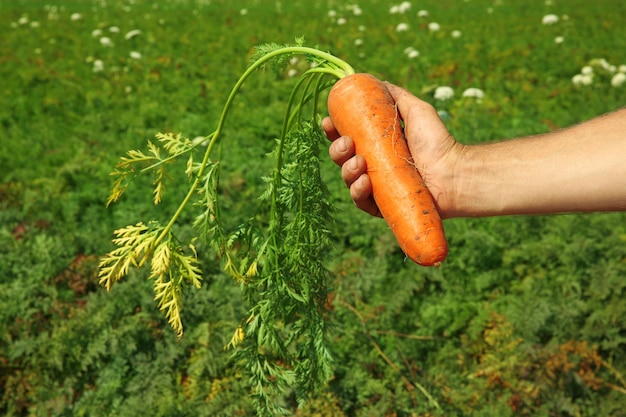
579 169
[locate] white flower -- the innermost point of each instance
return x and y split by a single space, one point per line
292 72
132 34
114 29
549 19
358 42
618 79
400 8
76 16
135 55
600 62
443 93
586 70
332 13
104 41
456 33
411 52
559 39
402 27
361 28
422 13
341 21
434 26
293 60
582 79
622 68
474 93
96 32
98 65
357 10
23 20
34 24
243 12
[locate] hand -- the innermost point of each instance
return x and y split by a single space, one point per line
578 169
434 151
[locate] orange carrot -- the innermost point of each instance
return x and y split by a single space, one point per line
361 107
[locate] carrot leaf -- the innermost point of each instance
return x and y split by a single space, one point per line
277 257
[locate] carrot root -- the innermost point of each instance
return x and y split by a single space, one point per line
361 107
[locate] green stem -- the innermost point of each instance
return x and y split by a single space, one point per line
287 122
337 67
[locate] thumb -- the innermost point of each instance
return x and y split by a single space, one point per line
424 130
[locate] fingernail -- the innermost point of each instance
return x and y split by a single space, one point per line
358 183
341 145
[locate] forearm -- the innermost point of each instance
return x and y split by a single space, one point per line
579 169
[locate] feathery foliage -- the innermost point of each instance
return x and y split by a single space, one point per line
277 261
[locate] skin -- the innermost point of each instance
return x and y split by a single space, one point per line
360 105
578 169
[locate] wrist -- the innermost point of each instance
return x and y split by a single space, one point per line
470 184
451 191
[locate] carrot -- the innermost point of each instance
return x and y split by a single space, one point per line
361 107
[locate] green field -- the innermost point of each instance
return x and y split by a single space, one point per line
527 316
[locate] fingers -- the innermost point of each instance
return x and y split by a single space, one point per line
361 193
354 174
329 129
426 134
406 101
400 95
353 168
341 150
411 107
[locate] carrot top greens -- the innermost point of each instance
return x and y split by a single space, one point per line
277 261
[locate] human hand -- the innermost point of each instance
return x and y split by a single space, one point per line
435 154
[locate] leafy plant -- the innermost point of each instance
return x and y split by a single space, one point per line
278 261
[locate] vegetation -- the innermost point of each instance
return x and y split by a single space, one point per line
525 317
